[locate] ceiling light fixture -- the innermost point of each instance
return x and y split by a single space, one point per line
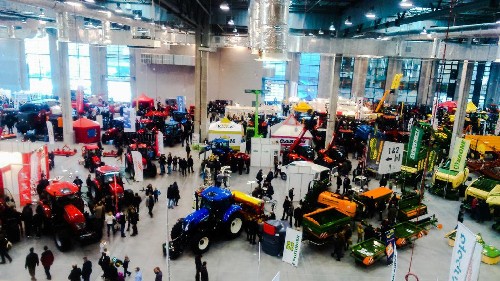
371 13
498 21
320 32
230 22
406 4
235 30
118 9
424 31
42 13
90 1
224 6
74 4
332 27
348 21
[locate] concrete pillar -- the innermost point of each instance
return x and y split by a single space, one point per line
292 74
201 85
359 77
65 93
336 62
427 81
134 93
98 71
493 91
394 66
463 79
54 62
324 83
23 67
463 82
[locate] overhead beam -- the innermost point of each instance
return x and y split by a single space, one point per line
174 9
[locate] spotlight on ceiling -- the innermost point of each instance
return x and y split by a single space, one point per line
235 30
348 21
406 3
320 32
332 27
74 4
118 9
42 13
90 1
371 13
230 22
424 31
224 6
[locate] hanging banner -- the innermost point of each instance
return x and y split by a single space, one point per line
23 179
50 131
159 143
390 245
466 257
497 127
138 168
129 119
434 120
414 144
394 265
181 103
293 241
79 100
459 156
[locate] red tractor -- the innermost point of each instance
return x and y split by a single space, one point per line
297 152
64 209
107 181
91 157
334 156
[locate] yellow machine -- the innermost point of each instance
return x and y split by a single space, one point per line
483 144
394 86
338 202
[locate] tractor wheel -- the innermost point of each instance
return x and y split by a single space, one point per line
200 243
234 225
176 230
62 238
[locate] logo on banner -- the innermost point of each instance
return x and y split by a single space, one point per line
79 99
415 139
459 156
466 256
293 241
138 168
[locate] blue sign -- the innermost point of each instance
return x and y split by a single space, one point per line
181 103
390 243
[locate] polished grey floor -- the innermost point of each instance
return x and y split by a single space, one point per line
237 259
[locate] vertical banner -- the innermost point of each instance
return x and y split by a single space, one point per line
181 103
466 257
50 131
459 156
390 245
79 100
497 127
414 144
159 143
23 179
129 119
359 106
394 265
138 168
293 241
434 120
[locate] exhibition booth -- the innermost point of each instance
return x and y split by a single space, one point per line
226 129
287 131
86 131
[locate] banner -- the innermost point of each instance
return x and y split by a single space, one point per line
390 245
293 241
79 100
159 143
497 127
276 277
23 179
129 119
50 131
138 168
359 106
181 103
414 144
459 156
466 256
394 265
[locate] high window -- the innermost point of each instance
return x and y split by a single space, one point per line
79 67
346 73
307 88
375 79
118 64
38 61
409 82
446 80
273 82
479 83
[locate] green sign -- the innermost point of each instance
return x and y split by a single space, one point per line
459 156
415 142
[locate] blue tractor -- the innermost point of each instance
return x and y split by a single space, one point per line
172 133
217 217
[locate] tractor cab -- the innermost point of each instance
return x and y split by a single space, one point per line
63 201
216 200
91 156
109 181
115 127
172 133
221 148
180 116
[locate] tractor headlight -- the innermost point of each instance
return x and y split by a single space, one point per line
186 228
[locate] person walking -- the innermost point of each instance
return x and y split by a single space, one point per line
133 219
297 215
290 194
159 274
190 163
75 274
125 264
198 264
170 196
31 263
150 202
47 259
162 161
204 272
86 269
259 176
138 274
286 206
109 218
188 150
4 248
156 193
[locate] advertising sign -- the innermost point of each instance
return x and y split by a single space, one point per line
497 127
138 168
459 156
414 144
394 265
466 256
181 103
24 181
390 245
293 241
79 100
50 131
129 119
391 158
159 143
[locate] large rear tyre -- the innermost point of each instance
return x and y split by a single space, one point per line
234 226
62 238
200 243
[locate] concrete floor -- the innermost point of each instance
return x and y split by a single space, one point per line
237 259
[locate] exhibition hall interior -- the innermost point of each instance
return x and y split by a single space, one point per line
249 140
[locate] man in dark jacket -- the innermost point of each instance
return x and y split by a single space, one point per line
270 176
27 217
259 176
151 203
47 259
133 218
75 273
190 163
198 264
137 201
86 269
204 272
346 184
297 215
339 183
3 249
159 274
286 207
31 263
162 161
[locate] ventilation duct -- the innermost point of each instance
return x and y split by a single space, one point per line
269 28
62 26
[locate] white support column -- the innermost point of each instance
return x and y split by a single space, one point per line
65 93
201 88
359 77
463 94
336 62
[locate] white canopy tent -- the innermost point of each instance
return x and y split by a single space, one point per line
226 129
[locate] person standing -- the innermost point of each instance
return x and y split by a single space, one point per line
159 274
31 263
133 219
4 248
346 184
75 274
162 161
122 221
170 197
297 214
109 218
150 203
190 163
177 195
156 193
360 231
174 163
188 150
204 272
138 274
290 194
286 206
198 264
86 269
169 163
27 218
47 259
126 261
137 202
259 176
339 183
